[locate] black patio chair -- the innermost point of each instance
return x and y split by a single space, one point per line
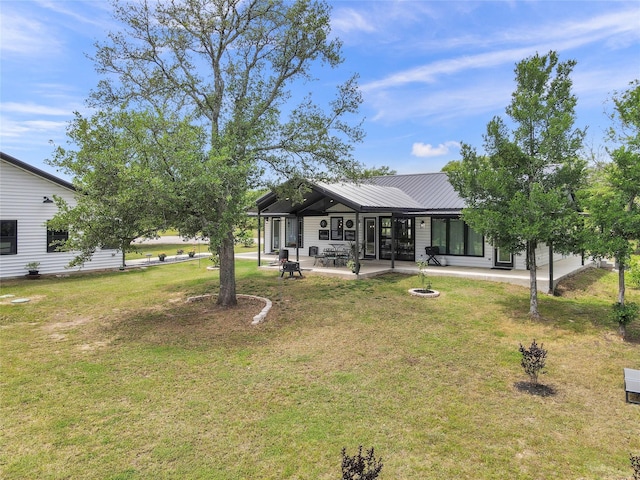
431 255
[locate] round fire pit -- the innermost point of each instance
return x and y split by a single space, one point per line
423 292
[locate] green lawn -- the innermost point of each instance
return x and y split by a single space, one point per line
116 376
172 249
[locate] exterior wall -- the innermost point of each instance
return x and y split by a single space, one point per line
311 227
422 240
21 199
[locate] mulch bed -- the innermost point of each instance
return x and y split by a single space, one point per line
537 389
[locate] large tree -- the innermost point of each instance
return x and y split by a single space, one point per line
612 200
520 192
229 65
119 177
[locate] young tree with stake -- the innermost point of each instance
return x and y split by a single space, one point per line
520 194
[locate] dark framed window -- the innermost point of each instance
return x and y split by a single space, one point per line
337 228
454 237
293 228
8 237
55 238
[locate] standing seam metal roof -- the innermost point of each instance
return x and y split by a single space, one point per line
414 193
367 195
432 191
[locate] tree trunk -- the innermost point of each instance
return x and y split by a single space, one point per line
621 286
622 330
533 281
622 327
227 296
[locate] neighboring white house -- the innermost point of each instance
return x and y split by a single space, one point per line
394 217
26 204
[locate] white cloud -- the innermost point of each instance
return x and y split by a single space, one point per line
559 37
429 73
17 129
33 109
426 150
24 36
348 20
91 14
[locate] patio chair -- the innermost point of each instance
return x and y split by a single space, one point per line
431 255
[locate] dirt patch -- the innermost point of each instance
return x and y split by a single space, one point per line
52 327
537 389
191 323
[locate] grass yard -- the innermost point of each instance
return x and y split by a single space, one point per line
115 376
172 249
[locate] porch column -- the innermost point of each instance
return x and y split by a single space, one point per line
357 259
259 218
393 240
298 233
552 290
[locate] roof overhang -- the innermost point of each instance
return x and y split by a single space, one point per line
321 197
36 171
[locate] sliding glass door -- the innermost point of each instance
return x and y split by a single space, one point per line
403 238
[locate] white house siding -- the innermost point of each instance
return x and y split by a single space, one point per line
21 199
423 239
422 236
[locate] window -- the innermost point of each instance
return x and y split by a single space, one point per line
336 228
454 237
293 228
55 238
8 237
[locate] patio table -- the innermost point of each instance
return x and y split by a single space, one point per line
330 255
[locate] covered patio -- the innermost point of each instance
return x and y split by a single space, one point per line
371 268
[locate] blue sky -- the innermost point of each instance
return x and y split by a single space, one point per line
433 73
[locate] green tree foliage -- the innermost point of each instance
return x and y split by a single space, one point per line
118 175
519 194
612 200
378 172
228 66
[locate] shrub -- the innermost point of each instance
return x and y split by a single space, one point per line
359 467
624 313
634 273
533 360
244 238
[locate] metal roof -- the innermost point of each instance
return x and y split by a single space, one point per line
431 190
412 194
366 196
